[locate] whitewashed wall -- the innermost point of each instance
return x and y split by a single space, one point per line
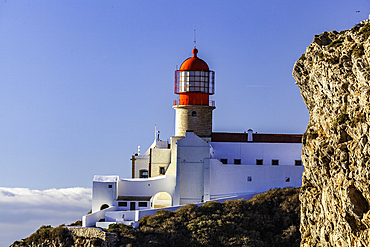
228 180
286 153
102 194
147 186
192 151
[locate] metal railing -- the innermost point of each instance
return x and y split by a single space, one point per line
194 102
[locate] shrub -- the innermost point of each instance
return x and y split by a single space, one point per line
268 219
365 30
77 223
48 233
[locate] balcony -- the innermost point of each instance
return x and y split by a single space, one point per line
194 102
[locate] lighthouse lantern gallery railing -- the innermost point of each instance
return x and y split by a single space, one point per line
195 102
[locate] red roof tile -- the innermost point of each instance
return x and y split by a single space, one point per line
268 138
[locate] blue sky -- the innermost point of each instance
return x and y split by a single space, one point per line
82 83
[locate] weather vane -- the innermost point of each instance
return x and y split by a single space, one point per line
195 40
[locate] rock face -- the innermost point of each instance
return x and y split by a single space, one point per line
334 78
70 236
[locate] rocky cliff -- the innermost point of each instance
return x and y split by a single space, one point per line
334 78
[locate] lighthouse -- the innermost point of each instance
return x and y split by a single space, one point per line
194 82
192 168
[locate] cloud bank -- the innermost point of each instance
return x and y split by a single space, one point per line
23 210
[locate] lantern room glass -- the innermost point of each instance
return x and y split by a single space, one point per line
194 81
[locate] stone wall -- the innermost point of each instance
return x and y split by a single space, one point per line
334 78
92 232
201 123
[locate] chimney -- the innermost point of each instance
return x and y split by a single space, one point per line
250 135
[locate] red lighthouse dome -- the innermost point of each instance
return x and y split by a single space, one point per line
194 63
194 82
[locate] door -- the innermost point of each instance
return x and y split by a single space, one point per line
132 205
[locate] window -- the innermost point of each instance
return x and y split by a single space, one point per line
249 179
144 174
223 161
298 162
122 204
237 161
110 186
259 162
287 179
143 204
161 170
194 113
275 162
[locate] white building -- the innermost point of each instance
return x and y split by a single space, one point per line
196 165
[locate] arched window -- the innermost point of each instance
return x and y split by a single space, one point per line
104 206
194 113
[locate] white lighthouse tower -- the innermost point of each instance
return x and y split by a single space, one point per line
194 82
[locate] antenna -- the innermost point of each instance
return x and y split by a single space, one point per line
195 39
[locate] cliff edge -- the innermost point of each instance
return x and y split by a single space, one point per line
334 78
